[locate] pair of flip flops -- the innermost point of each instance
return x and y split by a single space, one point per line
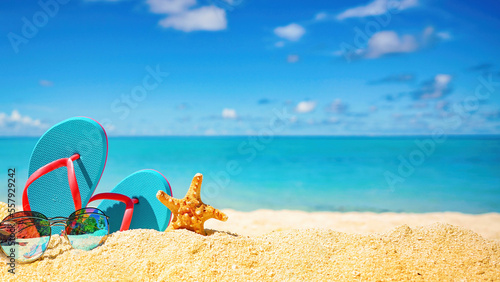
81 145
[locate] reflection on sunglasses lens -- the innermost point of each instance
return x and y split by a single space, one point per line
24 236
87 229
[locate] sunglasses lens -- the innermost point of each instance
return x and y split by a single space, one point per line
24 236
87 228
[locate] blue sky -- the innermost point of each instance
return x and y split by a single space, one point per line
225 67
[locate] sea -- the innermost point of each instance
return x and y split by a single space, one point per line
416 174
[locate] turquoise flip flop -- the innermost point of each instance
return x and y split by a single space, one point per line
81 145
134 200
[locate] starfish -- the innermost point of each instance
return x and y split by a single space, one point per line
190 212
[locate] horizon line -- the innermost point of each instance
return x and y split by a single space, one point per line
277 135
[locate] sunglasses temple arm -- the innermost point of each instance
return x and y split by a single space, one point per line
129 206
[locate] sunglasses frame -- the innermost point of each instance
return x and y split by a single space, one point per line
55 221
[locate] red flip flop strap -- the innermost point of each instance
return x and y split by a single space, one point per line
129 206
73 184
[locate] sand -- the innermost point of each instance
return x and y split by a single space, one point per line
264 221
433 252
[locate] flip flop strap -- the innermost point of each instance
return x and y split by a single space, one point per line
73 184
129 206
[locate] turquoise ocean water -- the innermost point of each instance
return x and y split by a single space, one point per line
305 173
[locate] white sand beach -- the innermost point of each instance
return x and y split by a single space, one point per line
269 245
264 221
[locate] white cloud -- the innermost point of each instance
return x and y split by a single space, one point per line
388 42
170 6
338 53
292 58
292 32
439 87
279 44
46 83
357 53
208 18
402 4
15 116
377 7
337 106
181 16
428 33
435 88
305 107
442 79
430 37
320 16
15 122
3 116
229 113
444 35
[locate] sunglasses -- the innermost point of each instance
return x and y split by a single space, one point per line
25 235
